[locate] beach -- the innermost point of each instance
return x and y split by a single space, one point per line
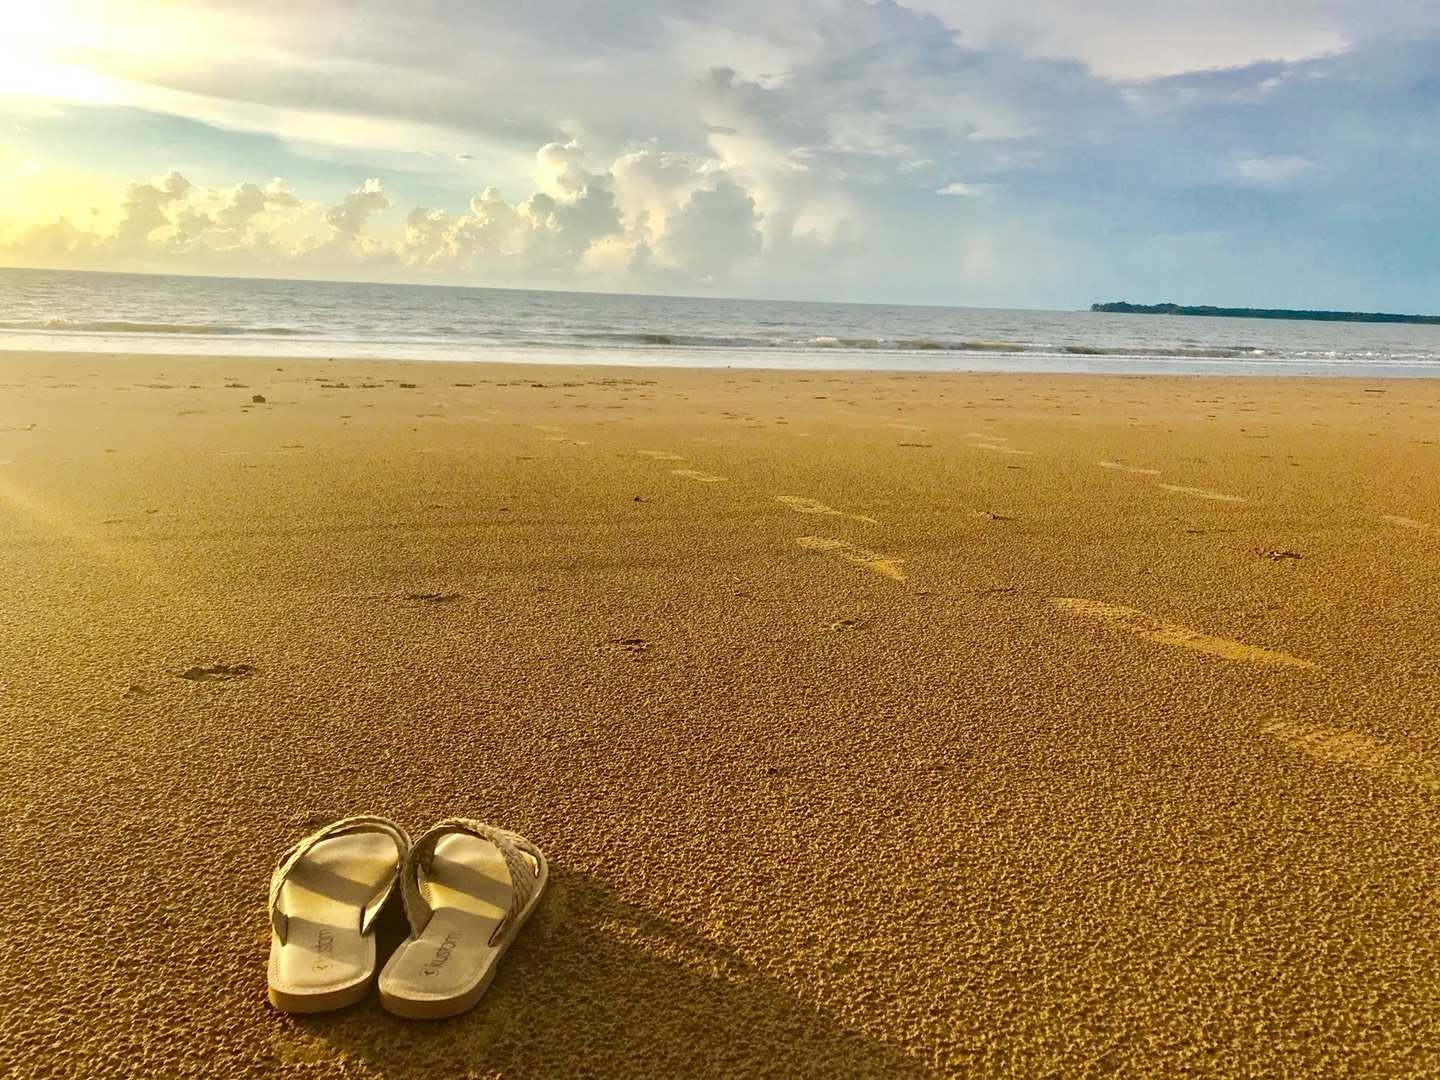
874 724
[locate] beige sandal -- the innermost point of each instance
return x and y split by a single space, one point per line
468 888
324 897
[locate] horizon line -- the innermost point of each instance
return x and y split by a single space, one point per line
515 289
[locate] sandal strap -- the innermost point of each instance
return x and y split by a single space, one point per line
422 855
292 858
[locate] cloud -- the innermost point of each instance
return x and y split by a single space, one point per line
247 200
960 189
866 143
58 243
716 229
143 211
1277 170
349 218
650 216
1130 39
332 72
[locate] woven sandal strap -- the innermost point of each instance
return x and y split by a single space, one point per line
279 921
422 855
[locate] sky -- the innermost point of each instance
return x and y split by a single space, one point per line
969 152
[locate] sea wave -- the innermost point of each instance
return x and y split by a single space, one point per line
121 326
656 339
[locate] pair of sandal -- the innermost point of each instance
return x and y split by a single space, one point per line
467 888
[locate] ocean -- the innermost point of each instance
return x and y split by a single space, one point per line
141 313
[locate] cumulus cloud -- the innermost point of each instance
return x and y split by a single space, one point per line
143 211
715 229
347 220
246 200
56 243
649 216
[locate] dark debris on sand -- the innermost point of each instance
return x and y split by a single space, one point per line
636 647
217 672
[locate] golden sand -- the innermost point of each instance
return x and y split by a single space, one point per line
993 762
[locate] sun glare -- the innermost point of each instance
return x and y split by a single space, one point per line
36 192
37 50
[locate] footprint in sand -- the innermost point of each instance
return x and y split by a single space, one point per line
997 449
1404 522
568 441
696 474
1127 468
660 455
1153 629
1202 493
1351 748
297 1048
803 505
884 565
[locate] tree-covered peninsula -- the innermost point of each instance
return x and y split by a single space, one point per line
1123 308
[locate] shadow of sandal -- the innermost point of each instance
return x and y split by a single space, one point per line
598 987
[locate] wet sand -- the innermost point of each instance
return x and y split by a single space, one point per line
875 725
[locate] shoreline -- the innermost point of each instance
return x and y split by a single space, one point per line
1071 365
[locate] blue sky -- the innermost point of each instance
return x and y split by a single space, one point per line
986 153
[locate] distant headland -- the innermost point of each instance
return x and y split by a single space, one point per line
1265 313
